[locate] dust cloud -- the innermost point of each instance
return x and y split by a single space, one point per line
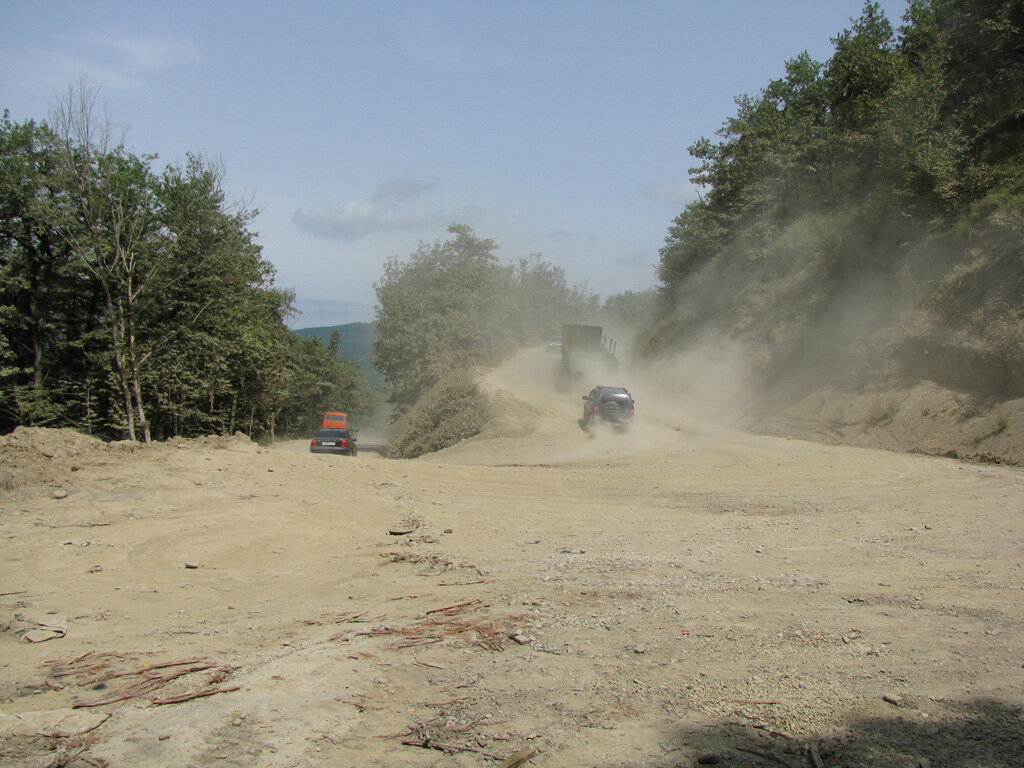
531 398
908 347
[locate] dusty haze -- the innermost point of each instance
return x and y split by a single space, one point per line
916 349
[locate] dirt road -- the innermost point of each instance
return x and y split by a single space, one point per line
673 594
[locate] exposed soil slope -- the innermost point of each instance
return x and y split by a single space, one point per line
642 599
922 418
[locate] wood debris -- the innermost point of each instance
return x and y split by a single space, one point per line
455 608
448 749
438 624
195 695
121 678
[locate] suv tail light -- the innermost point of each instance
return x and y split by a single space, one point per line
595 409
312 442
344 443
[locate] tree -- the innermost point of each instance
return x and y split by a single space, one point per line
110 222
694 239
863 68
196 322
33 265
319 381
833 175
431 312
984 72
635 310
48 312
452 305
535 300
137 303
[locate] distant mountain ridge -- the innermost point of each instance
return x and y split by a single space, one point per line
355 343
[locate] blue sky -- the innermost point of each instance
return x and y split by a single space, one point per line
360 129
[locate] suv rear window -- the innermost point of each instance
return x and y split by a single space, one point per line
329 433
618 397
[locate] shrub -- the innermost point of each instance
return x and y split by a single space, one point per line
452 410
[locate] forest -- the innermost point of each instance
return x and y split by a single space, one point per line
863 217
135 302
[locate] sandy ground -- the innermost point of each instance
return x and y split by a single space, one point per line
670 596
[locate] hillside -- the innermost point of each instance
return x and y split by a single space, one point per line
924 354
355 342
852 269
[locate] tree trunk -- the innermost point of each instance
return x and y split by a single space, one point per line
146 436
35 331
133 363
178 410
88 405
37 348
122 374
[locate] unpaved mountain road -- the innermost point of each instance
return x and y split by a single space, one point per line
652 598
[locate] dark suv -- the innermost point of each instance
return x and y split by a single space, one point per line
334 440
612 404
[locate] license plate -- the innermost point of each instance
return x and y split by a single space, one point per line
327 442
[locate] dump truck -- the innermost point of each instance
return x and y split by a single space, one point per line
586 351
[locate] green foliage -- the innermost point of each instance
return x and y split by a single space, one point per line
695 237
891 173
896 126
634 310
452 410
982 42
431 312
41 377
862 70
452 305
132 300
318 380
919 123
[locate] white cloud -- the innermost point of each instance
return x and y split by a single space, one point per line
52 71
153 52
397 205
114 63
